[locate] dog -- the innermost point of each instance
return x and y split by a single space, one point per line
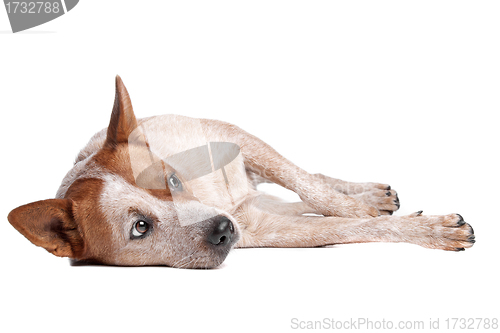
182 192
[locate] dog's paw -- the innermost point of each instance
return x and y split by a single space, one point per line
447 232
385 200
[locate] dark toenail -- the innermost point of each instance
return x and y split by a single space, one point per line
391 212
388 194
460 249
420 212
388 187
460 221
471 229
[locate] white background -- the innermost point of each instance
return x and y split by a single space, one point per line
399 92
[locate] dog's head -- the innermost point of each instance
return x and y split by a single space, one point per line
111 215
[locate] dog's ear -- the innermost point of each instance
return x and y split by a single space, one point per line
49 224
123 120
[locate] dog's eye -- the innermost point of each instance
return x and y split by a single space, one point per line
175 183
140 229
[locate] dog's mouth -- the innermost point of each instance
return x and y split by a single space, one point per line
205 244
201 262
221 236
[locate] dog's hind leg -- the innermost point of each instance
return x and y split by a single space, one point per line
263 229
255 179
381 196
351 188
264 161
277 206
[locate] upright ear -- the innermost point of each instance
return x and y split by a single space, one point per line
49 224
123 120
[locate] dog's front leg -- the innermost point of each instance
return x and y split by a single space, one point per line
263 160
263 229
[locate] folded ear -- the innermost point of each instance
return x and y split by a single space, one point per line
123 120
49 224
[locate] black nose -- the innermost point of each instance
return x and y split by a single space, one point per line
223 231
